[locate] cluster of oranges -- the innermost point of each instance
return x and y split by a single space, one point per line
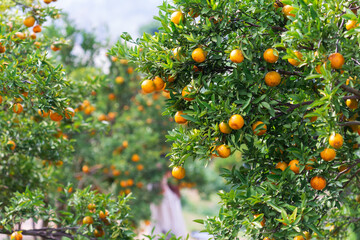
328 154
103 219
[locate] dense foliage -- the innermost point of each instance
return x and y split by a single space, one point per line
277 81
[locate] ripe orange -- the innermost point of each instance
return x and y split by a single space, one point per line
112 96
295 62
272 79
54 48
307 235
91 206
99 232
223 150
140 167
135 158
179 119
337 60
171 79
193 13
343 168
198 55
85 169
48 1
352 103
357 198
130 182
281 165
125 144
260 131
287 10
328 154
236 122
20 35
37 29
33 37
1 99
294 166
119 80
42 113
159 83
185 92
225 128
130 70
103 215
351 24
29 21
336 140
271 55
299 238
318 183
12 143
2 48
178 172
88 220
262 221
16 236
69 112
148 86
309 166
236 56
177 17
267 238
17 108
55 116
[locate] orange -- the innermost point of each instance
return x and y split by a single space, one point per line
159 83
16 236
318 183
42 113
351 24
336 140
125 144
91 206
85 169
185 92
69 113
140 167
299 238
337 60
12 143
29 21
294 166
103 215
236 122
177 17
148 86
33 37
88 220
130 182
328 154
99 232
309 166
225 128
176 53
102 117
55 116
17 108
271 55
178 172
179 119
277 5
2 48
171 79
193 13
267 238
260 131
287 10
272 79
54 48
198 55
318 68
112 96
357 198
352 103
37 29
307 235
1 99
262 221
281 165
236 56
130 70
20 35
119 80
139 185
295 62
223 150
343 168
135 158
48 1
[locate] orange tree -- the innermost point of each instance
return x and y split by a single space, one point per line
278 81
37 110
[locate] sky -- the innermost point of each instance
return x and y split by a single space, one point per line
119 15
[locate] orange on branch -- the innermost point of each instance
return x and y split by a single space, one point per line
272 79
178 172
271 55
318 183
236 56
336 140
236 122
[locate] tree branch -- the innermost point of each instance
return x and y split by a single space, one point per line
351 178
350 89
353 123
357 161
